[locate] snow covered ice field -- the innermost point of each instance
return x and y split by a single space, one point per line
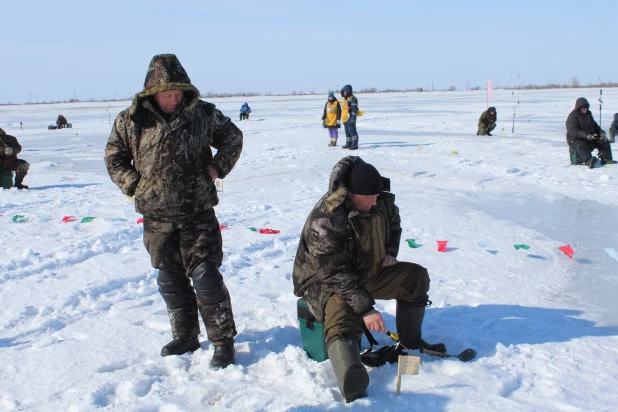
82 322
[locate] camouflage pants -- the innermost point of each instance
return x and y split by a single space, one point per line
177 247
485 129
403 281
19 166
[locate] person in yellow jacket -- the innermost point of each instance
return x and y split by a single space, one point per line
331 118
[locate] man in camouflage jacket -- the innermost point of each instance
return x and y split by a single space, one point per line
160 152
346 259
9 149
487 122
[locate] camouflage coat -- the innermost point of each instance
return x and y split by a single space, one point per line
6 140
327 259
162 160
487 118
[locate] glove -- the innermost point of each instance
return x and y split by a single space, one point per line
590 137
8 151
603 135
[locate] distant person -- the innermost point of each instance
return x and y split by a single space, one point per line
160 151
61 122
349 112
613 129
487 122
331 118
584 135
10 148
244 111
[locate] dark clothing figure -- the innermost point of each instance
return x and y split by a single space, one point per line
487 122
584 135
61 122
613 129
9 163
346 259
165 160
244 111
348 117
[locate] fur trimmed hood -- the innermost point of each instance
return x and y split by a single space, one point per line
338 185
166 73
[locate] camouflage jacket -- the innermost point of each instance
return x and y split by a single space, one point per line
327 257
488 118
6 140
162 162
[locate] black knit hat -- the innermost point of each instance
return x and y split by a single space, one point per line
365 180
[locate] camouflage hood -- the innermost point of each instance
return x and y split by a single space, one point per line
166 73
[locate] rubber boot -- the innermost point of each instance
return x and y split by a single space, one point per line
591 162
354 143
352 377
185 329
19 178
224 354
348 143
409 321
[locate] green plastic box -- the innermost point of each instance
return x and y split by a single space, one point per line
6 180
575 159
312 333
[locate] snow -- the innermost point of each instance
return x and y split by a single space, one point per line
82 322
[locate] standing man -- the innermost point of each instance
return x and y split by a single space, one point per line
9 149
347 258
160 152
584 135
349 112
487 122
613 129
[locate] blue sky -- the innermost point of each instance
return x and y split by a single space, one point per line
55 50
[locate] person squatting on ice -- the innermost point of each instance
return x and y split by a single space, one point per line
9 149
487 122
160 152
349 112
244 111
584 135
347 258
331 118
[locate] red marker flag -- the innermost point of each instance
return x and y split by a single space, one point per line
267 231
442 245
140 220
68 219
567 250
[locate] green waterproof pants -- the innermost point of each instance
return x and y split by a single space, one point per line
403 281
484 129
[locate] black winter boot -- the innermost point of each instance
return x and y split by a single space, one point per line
352 377
224 354
185 329
591 162
409 321
19 178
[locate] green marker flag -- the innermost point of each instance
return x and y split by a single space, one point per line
87 219
253 229
18 218
522 246
412 243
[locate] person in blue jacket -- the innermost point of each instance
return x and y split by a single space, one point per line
244 111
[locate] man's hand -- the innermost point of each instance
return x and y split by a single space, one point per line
8 151
389 261
590 137
212 172
603 135
374 322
